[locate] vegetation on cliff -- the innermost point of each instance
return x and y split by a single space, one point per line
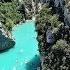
9 14
45 20
59 57
54 55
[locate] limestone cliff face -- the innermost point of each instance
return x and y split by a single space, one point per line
6 40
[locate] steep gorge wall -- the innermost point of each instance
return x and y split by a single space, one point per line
55 56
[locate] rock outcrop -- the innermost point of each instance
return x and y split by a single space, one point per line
54 44
6 40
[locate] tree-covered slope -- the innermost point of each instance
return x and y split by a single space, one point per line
53 40
9 14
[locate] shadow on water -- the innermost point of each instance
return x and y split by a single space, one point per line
34 63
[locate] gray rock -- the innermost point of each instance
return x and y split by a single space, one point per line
6 41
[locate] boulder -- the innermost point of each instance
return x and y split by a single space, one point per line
6 40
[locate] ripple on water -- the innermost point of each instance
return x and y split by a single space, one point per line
14 68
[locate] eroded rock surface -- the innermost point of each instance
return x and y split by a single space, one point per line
6 40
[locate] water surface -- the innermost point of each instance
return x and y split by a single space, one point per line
25 49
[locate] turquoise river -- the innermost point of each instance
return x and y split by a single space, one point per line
25 49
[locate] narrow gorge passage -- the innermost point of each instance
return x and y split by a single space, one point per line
25 49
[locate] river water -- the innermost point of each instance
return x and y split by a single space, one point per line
24 51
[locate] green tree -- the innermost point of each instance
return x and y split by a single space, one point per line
60 44
9 15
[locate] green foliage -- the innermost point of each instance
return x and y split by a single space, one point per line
60 44
9 14
45 11
45 16
53 54
43 19
54 21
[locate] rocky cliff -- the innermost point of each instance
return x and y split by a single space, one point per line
6 40
54 35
